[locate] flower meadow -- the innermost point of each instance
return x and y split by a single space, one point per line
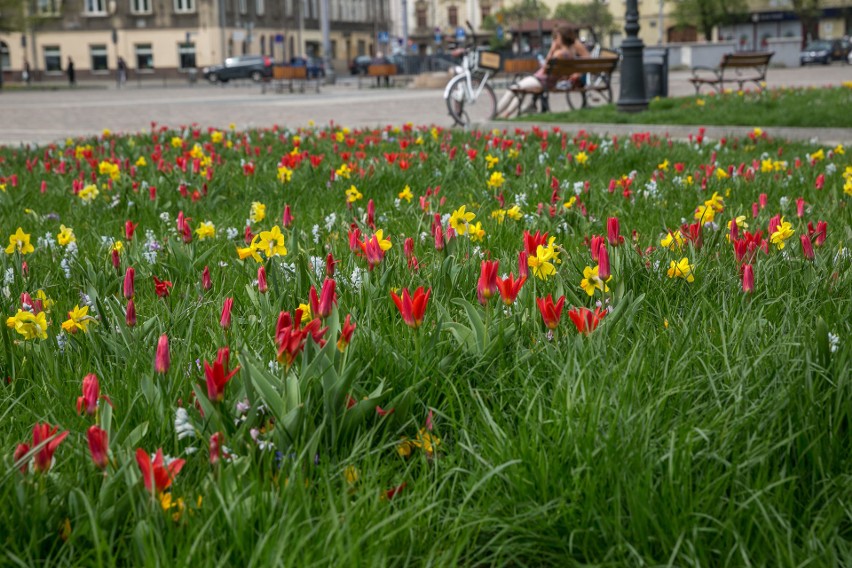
411 345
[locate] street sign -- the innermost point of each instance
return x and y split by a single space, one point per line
438 37
500 33
384 37
279 38
460 35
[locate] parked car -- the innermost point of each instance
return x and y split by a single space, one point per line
359 65
254 67
817 52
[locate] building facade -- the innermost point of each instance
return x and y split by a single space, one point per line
170 37
436 24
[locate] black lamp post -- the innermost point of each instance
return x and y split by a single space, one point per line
632 97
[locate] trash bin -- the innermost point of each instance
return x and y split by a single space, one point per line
192 75
656 72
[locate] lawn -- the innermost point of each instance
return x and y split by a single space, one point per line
803 107
423 346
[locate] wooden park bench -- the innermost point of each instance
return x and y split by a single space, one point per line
290 75
596 85
747 67
379 71
515 69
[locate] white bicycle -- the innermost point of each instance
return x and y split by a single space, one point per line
470 99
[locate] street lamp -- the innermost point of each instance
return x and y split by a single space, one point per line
632 96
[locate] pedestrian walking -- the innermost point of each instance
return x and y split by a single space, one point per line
69 70
26 74
122 72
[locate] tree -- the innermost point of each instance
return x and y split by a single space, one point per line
12 18
522 11
594 14
707 14
808 12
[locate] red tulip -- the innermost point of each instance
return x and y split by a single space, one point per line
161 287
551 313
329 265
129 282
603 262
225 319
129 229
800 207
586 320
523 264
45 442
411 307
748 279
287 218
509 288
130 317
595 246
91 393
218 375
157 476
116 259
486 287
532 242
371 214
206 282
20 452
820 181
373 252
262 285
346 332
162 361
807 247
98 446
327 298
613 232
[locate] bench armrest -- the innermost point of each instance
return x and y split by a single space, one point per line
704 68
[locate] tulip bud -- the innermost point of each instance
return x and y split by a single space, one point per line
225 320
821 232
215 448
248 236
287 218
748 279
129 282
439 237
131 313
613 231
162 361
800 207
603 262
763 200
371 214
523 264
206 283
408 247
329 265
326 302
129 229
262 286
754 210
20 452
98 446
116 259
807 247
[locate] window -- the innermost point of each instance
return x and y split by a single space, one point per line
140 6
99 57
485 10
48 7
95 7
5 60
421 18
52 58
243 6
144 56
453 16
186 55
259 7
185 7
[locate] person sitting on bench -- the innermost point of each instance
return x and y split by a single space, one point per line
565 46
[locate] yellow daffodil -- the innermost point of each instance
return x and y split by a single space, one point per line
141 162
339 137
682 269
351 472
758 132
343 171
306 313
491 161
781 234
285 174
177 142
699 102
741 224
258 212
664 166
30 325
206 230
353 195
817 156
591 281
570 203
704 214
721 174
272 242
514 213
496 180
217 136
476 232
672 241
406 194
839 150
19 242
88 193
499 214
766 166
78 319
542 263
460 218
250 251
46 303
716 202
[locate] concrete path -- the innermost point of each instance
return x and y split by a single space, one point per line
48 116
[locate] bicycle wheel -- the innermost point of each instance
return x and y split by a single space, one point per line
465 110
576 99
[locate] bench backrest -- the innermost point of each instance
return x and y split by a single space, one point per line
381 70
567 67
281 73
520 65
746 59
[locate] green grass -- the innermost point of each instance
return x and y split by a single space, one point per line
697 425
811 107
